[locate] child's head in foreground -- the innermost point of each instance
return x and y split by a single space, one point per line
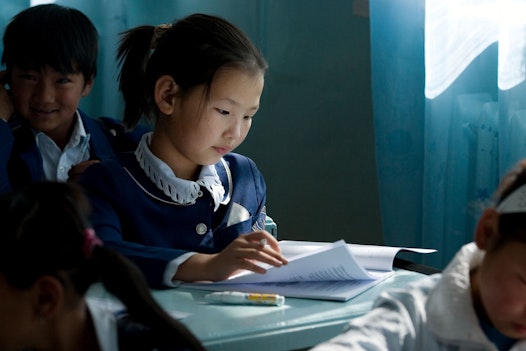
499 283
49 257
44 259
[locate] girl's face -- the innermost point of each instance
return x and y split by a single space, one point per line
48 99
500 286
15 317
200 131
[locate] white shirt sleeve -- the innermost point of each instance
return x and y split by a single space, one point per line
105 323
172 267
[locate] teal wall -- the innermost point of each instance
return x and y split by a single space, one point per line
313 136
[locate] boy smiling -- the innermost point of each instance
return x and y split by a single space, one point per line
50 54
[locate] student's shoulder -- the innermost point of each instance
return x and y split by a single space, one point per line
123 163
16 125
121 139
235 161
5 129
413 294
20 132
105 171
116 128
243 172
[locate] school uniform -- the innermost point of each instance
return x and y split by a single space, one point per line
116 331
158 220
435 313
21 158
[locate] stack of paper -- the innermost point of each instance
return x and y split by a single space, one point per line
316 270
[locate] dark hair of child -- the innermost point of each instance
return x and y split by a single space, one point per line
190 50
44 233
54 35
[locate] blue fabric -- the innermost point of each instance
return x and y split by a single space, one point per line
501 341
131 215
449 114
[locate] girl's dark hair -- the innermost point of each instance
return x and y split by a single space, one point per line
43 234
61 37
512 226
191 51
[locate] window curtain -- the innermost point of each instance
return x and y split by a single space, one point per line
449 103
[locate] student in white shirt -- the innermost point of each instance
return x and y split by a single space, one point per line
477 303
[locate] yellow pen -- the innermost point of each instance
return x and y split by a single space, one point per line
241 298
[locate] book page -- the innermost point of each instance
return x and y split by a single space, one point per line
371 257
325 290
327 271
330 262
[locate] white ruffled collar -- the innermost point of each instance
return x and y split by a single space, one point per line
181 191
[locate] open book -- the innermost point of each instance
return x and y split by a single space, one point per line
317 270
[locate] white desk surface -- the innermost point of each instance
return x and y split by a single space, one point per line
299 323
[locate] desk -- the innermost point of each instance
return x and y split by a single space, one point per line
299 323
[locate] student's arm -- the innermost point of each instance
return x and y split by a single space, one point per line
108 192
395 323
243 253
379 330
116 202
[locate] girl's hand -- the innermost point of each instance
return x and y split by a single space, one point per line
244 253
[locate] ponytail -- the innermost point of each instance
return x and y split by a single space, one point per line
133 54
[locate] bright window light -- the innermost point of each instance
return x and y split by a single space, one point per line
457 31
40 2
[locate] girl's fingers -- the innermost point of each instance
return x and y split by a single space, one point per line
265 255
265 252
